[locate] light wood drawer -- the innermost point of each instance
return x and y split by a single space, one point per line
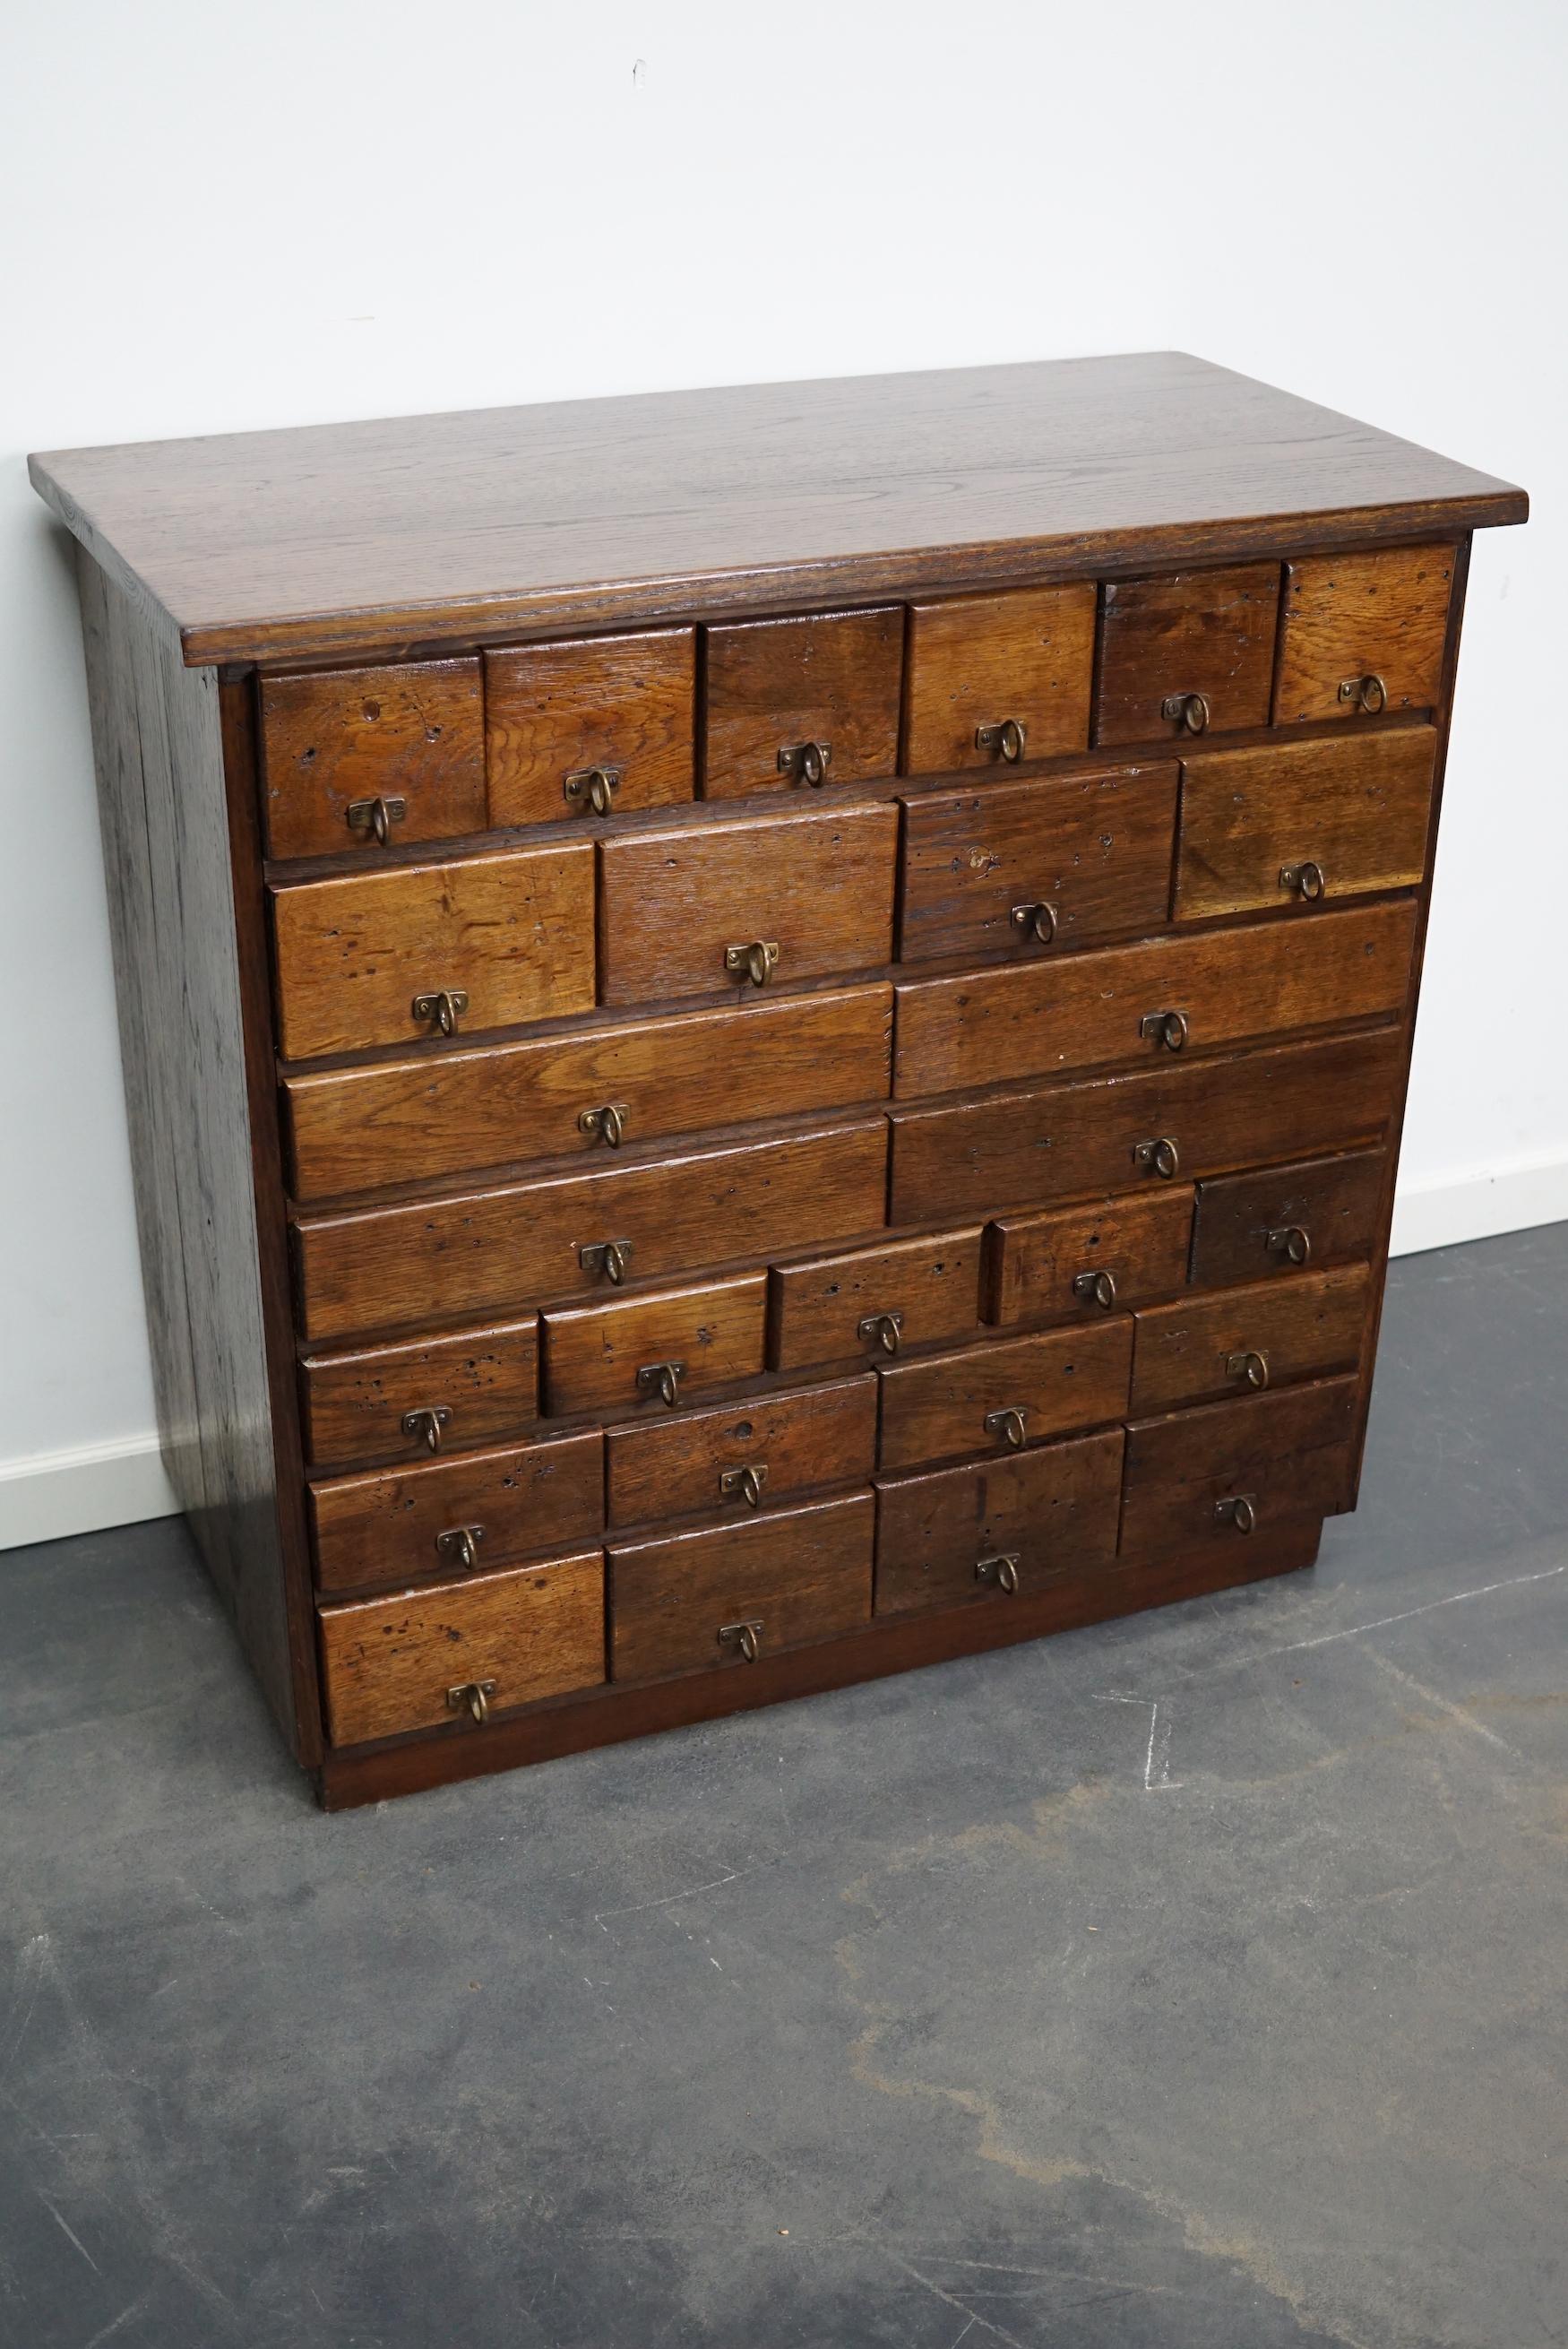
452 1517
1203 1348
980 663
1318 1211
778 690
1079 1262
734 1457
1290 824
703 1600
1284 1457
1363 632
655 1349
836 1311
431 1395
596 726
1005 1394
364 758
1190 652
1005 1529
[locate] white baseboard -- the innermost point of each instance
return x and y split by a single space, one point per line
1480 1206
46 1496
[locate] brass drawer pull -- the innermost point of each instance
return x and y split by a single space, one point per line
662 1379
460 1546
1036 923
807 761
1368 693
592 787
1095 1288
1009 736
608 1124
743 1484
757 962
609 1257
1307 880
1167 1027
1008 1425
377 815
1003 1570
746 1636
1241 1511
471 1696
444 1006
1160 1157
427 1424
1191 711
1250 1366
1290 1241
882 1332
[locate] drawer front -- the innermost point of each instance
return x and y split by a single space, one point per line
407 1661
590 727
1123 1005
379 957
1339 818
433 1395
1320 1211
736 1457
1202 1349
1080 1262
816 887
1288 1456
1026 1388
1025 1149
1020 868
592 1092
1005 1529
678 1602
476 1509
875 1303
652 1350
1363 632
453 1259
1190 652
777 689
362 757
980 663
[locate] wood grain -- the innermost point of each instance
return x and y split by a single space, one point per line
1335 1201
807 1437
975 661
831 677
1302 1328
354 1404
413 731
715 1330
551 710
1139 1243
936 1409
815 1309
1290 1453
802 1573
1209 633
1384 613
525 1498
1052 1510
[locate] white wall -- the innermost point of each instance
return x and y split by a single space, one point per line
217 218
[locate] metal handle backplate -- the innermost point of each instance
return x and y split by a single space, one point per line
460 1545
882 1332
1304 880
1167 1027
592 787
1368 693
757 961
662 1379
1002 1569
1239 1509
1250 1366
429 1424
444 1005
1008 738
376 816
606 1125
610 1258
1160 1157
747 1637
1095 1288
471 1696
743 1484
1190 711
1009 1424
1292 1241
1036 922
807 761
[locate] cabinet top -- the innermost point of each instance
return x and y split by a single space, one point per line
340 539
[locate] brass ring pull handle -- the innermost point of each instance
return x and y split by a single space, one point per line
1036 923
471 1696
1305 880
1008 738
1003 1570
1290 1242
882 1331
607 1125
1190 711
609 1257
1160 1157
743 1484
757 962
662 1379
460 1546
444 1005
1239 1510
1095 1288
1368 693
1167 1027
1252 1366
746 1637
592 787
1009 1425
427 1425
807 761
377 816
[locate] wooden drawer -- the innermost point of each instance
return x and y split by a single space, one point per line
1062 1141
1123 1252
1363 632
521 1244
361 758
1320 1211
592 727
779 689
1005 1529
1131 1004
698 1462
816 886
409 1662
1342 818
433 1395
377 957
1017 868
978 663
1272 1335
1288 1456
475 1509
678 1602
657 1348
921 1292
1188 653
1026 1388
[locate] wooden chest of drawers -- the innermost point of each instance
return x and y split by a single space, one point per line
766 1031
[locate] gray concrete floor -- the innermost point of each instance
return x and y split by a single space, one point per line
1187 1982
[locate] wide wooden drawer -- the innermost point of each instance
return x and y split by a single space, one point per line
460 1650
1005 1394
1021 867
1319 1211
1190 652
1004 1529
1227 1470
724 1595
451 1516
1127 1004
1274 1334
377 957
590 727
759 901
871 1304
364 758
734 1457
995 678
801 702
430 1395
1074 1263
1181 1118
1298 822
1363 632
655 1349
519 1244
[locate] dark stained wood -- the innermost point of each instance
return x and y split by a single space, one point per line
385 1527
1289 1453
552 710
352 1405
1304 1329
1335 1201
330 738
794 1439
1209 632
936 1409
801 1572
1050 1512
713 1332
1139 1243
1347 617
931 1285
977 661
829 677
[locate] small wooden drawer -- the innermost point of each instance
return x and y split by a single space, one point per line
461 1651
1319 1211
1005 1529
1079 1262
1123 1005
1246 1339
997 678
1363 632
427 950
784 695
1299 821
1020 868
834 1312
451 1516
590 727
724 1595
755 902
734 1457
432 1395
1003 1395
655 1349
1196 1479
1188 653
368 757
